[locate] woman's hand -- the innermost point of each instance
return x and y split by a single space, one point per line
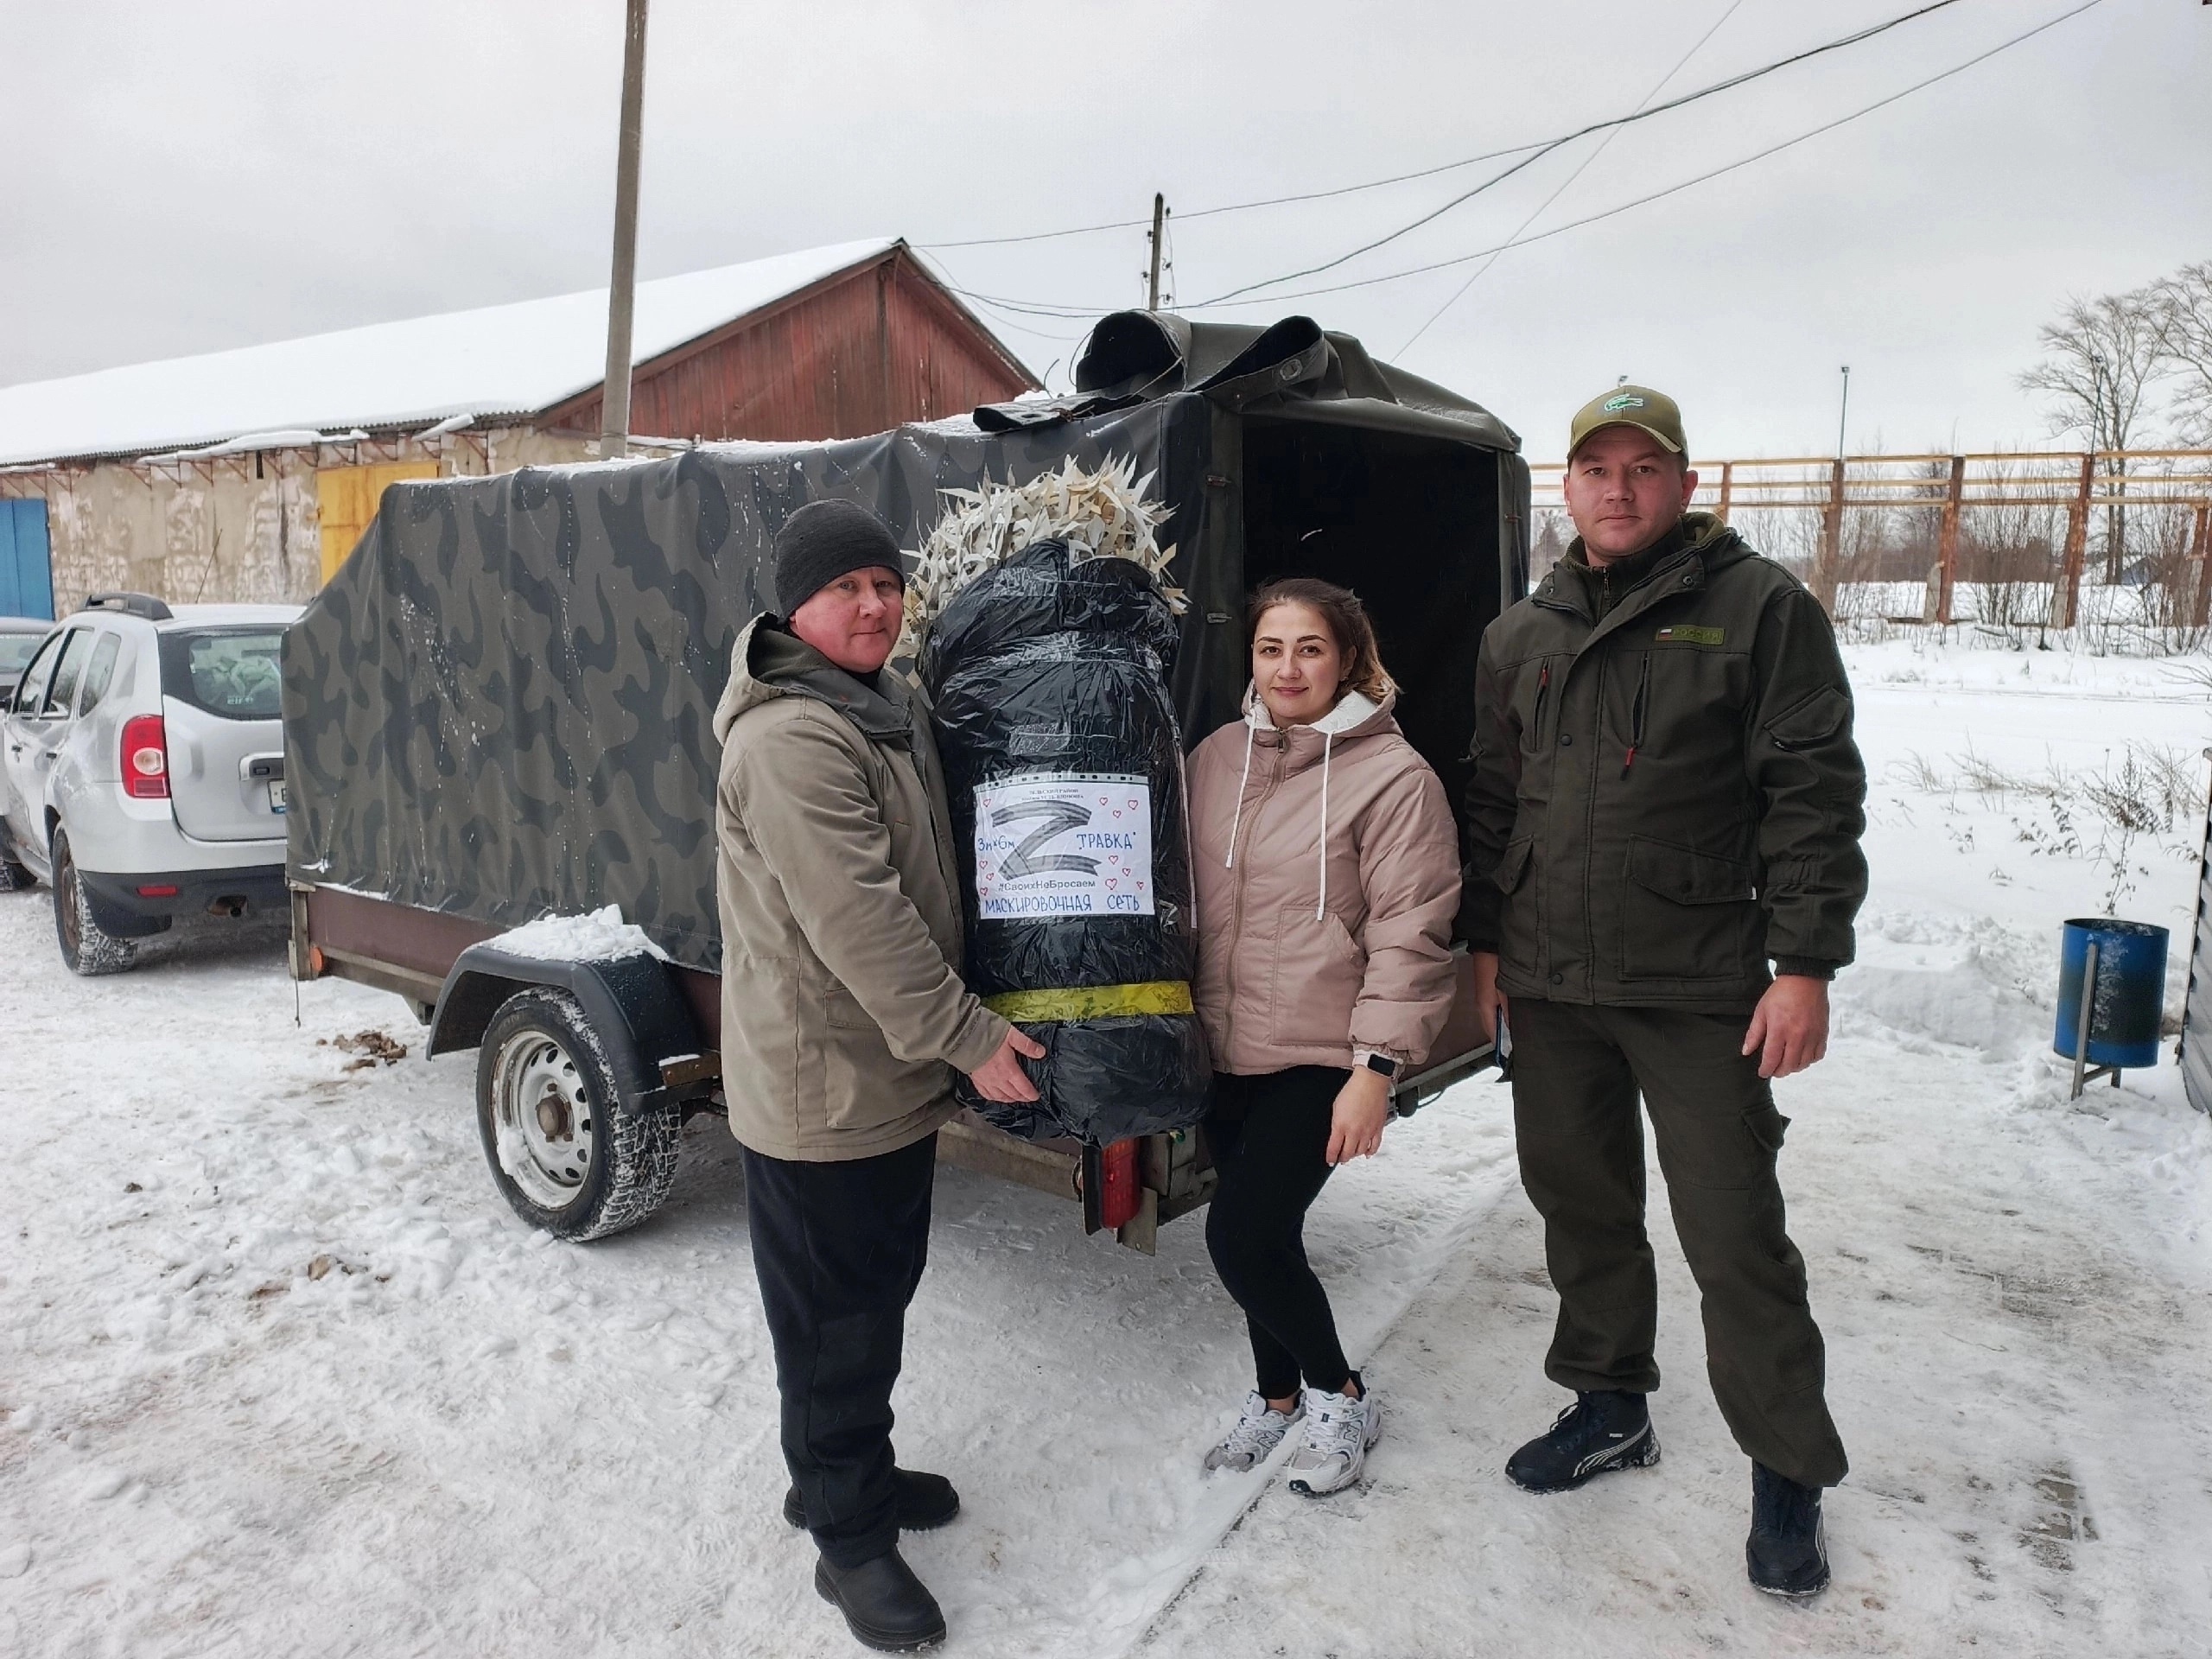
1363 1107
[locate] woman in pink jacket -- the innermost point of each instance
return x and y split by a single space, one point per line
1328 874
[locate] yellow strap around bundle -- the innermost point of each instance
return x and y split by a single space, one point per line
1091 1002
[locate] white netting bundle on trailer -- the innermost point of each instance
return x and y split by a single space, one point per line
1106 513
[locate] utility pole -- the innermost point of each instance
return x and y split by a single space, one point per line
1828 558
1159 235
614 394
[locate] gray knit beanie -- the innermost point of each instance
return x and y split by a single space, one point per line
825 540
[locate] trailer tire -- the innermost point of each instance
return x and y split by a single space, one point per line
567 1153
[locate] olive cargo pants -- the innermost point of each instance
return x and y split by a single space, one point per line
1577 1073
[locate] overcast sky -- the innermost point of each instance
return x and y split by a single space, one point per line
188 177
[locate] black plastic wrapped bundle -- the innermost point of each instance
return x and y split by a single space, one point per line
1065 770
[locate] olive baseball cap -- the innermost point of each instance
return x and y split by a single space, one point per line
1646 410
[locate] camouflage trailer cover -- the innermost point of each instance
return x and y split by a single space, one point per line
499 708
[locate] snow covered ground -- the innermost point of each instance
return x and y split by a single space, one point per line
280 1374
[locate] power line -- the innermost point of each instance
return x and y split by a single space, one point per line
1545 144
1085 313
1672 189
1503 173
1481 270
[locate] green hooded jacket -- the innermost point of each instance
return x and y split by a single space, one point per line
1666 795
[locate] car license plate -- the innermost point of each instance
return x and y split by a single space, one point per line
276 797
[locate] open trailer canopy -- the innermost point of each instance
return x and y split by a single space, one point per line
499 708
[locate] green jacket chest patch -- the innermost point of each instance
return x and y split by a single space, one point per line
1683 634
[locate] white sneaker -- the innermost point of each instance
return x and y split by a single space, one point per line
1338 1430
1258 1431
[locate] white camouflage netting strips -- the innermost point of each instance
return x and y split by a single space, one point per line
1107 513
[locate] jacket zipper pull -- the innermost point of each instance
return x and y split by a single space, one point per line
1635 716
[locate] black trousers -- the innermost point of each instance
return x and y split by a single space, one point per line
839 1249
1269 1135
1577 1073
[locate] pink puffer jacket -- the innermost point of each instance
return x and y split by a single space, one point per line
1328 874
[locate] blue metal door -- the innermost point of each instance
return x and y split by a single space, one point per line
26 561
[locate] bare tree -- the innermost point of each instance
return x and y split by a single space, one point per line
2181 310
2101 358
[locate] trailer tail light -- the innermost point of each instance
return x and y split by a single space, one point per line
146 758
1118 1196
155 893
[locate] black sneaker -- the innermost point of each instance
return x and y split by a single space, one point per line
1602 1431
1788 1550
885 1607
925 1502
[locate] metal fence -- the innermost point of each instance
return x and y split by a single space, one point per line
2019 499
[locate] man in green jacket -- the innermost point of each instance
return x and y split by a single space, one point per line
843 1018
1667 800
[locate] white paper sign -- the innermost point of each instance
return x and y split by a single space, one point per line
1064 843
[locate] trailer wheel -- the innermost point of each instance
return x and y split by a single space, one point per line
567 1152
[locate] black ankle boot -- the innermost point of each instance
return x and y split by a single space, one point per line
887 1607
925 1502
1602 1431
1787 1549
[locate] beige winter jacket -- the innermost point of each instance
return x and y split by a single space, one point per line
842 1008
1327 869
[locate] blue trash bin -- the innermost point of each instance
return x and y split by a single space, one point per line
2129 996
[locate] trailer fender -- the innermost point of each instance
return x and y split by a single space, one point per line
653 1043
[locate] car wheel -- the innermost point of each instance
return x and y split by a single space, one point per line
16 878
567 1152
88 948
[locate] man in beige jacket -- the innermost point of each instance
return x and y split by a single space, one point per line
843 1018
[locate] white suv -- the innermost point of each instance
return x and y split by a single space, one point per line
142 771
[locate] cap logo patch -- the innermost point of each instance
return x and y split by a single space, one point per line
1625 400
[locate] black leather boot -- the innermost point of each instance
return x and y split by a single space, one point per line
1602 1431
1788 1550
925 1502
887 1607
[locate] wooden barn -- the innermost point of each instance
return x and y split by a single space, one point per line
248 475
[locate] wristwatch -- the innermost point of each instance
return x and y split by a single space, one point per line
1381 1064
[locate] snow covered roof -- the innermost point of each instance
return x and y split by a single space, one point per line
497 360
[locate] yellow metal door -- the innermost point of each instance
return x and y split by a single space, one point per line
348 497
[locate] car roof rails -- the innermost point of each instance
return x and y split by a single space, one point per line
144 605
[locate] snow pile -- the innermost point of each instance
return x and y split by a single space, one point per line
593 937
1971 982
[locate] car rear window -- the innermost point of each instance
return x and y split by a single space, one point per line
231 672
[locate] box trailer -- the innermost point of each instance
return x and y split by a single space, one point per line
498 711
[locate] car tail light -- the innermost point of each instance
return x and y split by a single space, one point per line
146 758
1117 1196
156 893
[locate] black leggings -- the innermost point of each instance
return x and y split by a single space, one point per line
1269 1135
